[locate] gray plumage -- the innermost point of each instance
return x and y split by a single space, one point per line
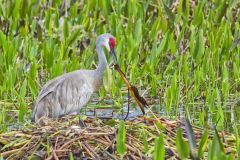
69 92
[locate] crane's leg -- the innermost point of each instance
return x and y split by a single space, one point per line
42 109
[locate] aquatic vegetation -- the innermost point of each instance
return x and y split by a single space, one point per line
183 56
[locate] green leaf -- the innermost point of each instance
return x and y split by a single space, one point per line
56 19
74 10
182 146
221 10
237 139
236 71
2 39
154 29
39 32
138 31
133 73
198 16
111 122
23 89
203 144
32 86
73 37
166 42
145 141
22 111
24 8
121 138
218 140
48 18
169 12
16 9
65 29
33 69
71 157
185 7
199 47
168 99
215 148
225 82
159 151
48 52
172 44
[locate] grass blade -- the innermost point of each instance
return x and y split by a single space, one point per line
121 139
159 150
182 146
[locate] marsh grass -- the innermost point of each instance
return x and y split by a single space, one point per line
179 53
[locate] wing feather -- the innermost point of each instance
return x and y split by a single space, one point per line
65 94
53 84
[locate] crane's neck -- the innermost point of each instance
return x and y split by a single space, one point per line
99 72
102 61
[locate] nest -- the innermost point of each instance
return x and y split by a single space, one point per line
82 137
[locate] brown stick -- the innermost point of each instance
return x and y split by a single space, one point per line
89 151
5 154
140 100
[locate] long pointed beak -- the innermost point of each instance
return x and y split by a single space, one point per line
113 54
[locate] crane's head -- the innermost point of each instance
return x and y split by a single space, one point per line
109 42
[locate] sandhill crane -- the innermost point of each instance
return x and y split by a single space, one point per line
69 92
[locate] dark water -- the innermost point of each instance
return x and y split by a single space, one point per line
197 113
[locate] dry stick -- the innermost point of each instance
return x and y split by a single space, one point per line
54 154
163 133
98 134
169 130
5 154
140 154
55 146
107 138
62 150
131 148
50 157
133 157
135 139
69 142
138 145
80 145
100 140
22 148
88 150
109 154
159 121
35 147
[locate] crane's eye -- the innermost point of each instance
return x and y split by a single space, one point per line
112 43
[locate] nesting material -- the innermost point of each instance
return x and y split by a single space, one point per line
91 138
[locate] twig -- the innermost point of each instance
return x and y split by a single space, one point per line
98 134
88 150
69 142
5 154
